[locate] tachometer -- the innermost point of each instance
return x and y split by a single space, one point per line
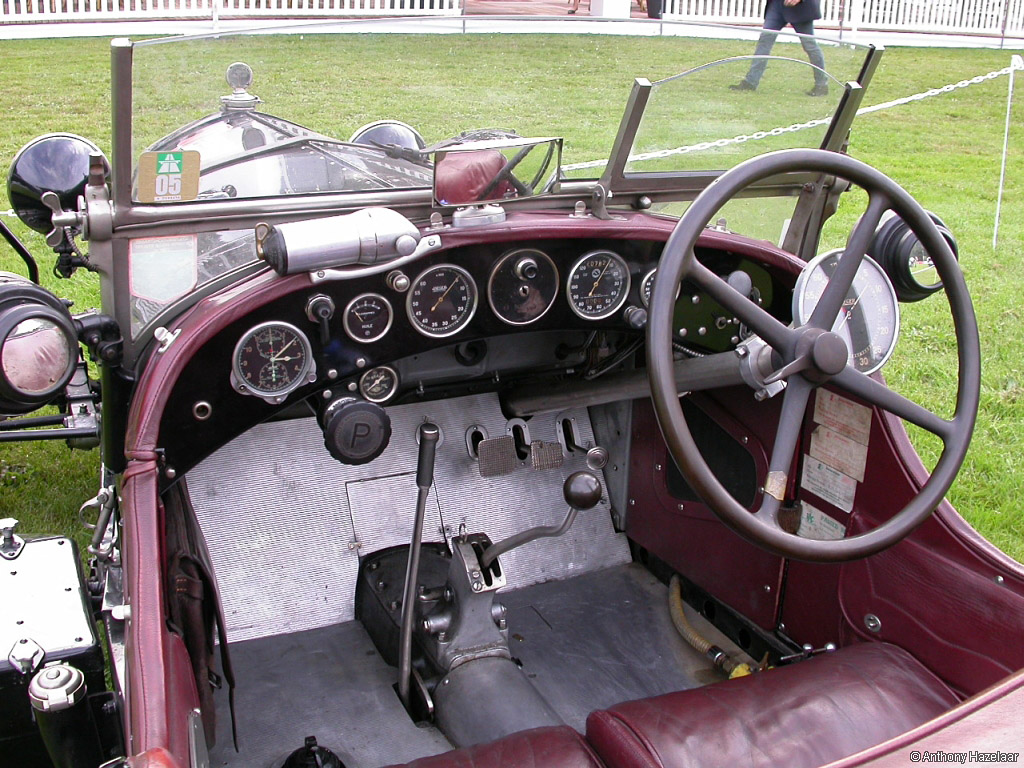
523 286
367 317
441 301
272 360
598 285
869 319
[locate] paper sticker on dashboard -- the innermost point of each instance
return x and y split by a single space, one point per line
815 524
168 177
843 415
839 452
828 483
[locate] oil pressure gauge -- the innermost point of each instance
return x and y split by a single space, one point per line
367 317
379 384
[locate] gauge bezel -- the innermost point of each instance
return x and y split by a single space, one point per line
306 374
644 298
619 301
508 257
800 289
470 313
361 297
391 393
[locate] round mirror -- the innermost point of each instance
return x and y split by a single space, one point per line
58 163
35 357
904 258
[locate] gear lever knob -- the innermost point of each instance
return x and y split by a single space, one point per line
582 490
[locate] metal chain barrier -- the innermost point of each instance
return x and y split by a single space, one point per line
758 135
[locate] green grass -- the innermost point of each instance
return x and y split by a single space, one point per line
945 150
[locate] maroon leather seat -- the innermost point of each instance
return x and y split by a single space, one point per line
553 747
800 716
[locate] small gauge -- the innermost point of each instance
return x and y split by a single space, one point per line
869 319
441 301
271 360
598 285
523 286
368 317
379 384
647 288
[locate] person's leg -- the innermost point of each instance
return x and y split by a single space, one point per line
773 22
813 51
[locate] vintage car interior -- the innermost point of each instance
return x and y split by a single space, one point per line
437 455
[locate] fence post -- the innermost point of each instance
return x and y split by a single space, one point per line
1016 62
855 14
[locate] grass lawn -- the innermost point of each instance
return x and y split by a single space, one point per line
945 150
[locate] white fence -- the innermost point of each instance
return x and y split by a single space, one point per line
110 10
958 17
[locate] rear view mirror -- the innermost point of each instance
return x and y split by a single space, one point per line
909 266
494 171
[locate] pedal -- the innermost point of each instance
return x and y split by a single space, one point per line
497 456
546 455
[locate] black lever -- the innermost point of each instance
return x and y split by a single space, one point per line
429 435
582 490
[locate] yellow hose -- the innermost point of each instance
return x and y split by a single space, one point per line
698 641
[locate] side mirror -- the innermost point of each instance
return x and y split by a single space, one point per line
896 248
38 345
56 162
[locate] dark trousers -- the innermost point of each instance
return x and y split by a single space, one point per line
773 22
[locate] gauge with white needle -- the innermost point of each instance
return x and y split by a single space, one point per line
869 319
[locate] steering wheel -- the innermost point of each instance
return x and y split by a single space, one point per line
505 174
811 355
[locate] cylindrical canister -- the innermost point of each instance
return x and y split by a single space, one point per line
58 696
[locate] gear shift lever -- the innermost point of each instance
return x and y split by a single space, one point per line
428 434
582 490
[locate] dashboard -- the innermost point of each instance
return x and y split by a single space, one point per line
481 316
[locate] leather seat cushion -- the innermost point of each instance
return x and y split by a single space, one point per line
550 747
799 716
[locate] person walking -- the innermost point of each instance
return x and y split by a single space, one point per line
801 15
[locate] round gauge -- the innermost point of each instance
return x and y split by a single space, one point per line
869 319
598 285
367 317
379 384
441 301
647 287
271 360
523 286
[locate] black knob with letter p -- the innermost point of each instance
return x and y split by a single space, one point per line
355 431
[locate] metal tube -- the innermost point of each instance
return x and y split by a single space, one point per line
693 374
516 540
429 434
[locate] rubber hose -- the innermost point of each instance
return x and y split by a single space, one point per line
675 607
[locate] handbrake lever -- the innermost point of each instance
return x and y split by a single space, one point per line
429 434
582 490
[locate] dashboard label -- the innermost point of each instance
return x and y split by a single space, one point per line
839 452
843 415
815 524
830 484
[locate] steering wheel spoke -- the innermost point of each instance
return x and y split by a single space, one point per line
827 309
876 393
787 435
754 317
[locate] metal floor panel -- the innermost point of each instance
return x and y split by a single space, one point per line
585 643
329 683
286 533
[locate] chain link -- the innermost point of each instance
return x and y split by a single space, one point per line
759 135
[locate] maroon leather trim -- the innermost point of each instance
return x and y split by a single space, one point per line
799 716
987 722
161 688
462 177
552 747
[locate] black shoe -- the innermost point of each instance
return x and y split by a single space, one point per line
819 90
743 85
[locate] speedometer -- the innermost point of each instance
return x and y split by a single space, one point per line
272 360
598 285
869 319
442 300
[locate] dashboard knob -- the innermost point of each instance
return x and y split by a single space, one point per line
355 431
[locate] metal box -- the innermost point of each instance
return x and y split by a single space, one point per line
45 616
